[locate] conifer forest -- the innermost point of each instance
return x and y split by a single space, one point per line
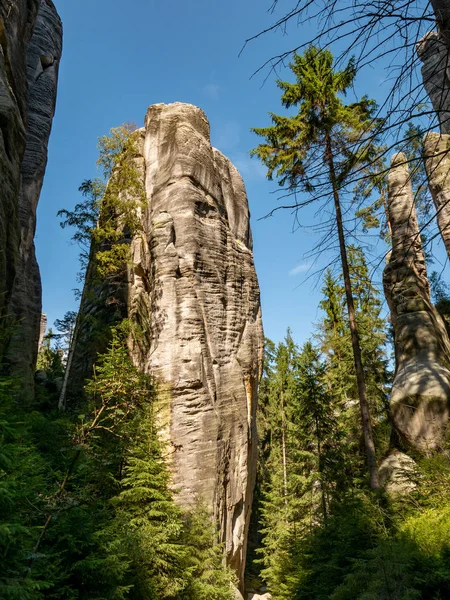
159 441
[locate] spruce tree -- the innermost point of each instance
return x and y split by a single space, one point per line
304 467
335 340
316 151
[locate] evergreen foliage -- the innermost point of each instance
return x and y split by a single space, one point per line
335 342
108 217
316 151
86 505
327 537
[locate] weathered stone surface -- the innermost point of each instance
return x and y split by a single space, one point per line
235 593
398 473
17 20
434 53
421 389
193 292
42 329
25 305
437 164
30 48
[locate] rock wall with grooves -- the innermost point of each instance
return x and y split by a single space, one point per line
434 54
437 165
30 49
17 20
25 305
421 388
206 341
193 293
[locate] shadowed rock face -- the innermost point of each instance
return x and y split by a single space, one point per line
31 40
193 292
421 390
17 20
437 164
43 56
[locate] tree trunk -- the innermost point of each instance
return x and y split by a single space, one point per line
319 452
363 403
283 444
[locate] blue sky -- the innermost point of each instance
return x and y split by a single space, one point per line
118 58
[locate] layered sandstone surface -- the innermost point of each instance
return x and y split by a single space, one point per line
437 165
193 291
16 27
433 51
31 45
421 388
43 58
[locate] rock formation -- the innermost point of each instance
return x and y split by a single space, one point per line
421 388
437 164
434 53
16 25
31 43
398 473
42 329
192 290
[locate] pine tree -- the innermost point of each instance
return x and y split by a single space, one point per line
280 482
325 131
305 470
316 426
335 339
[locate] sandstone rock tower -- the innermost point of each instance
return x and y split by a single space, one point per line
30 51
421 388
192 288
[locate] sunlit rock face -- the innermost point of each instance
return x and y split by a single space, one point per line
434 54
398 473
437 164
30 50
193 292
206 335
421 390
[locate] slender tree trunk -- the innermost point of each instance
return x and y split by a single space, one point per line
319 452
283 446
356 346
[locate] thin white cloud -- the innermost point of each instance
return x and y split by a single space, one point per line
251 169
227 135
212 90
299 269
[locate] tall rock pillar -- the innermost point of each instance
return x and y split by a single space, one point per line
30 49
437 165
434 52
207 340
17 20
25 303
421 389
192 291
